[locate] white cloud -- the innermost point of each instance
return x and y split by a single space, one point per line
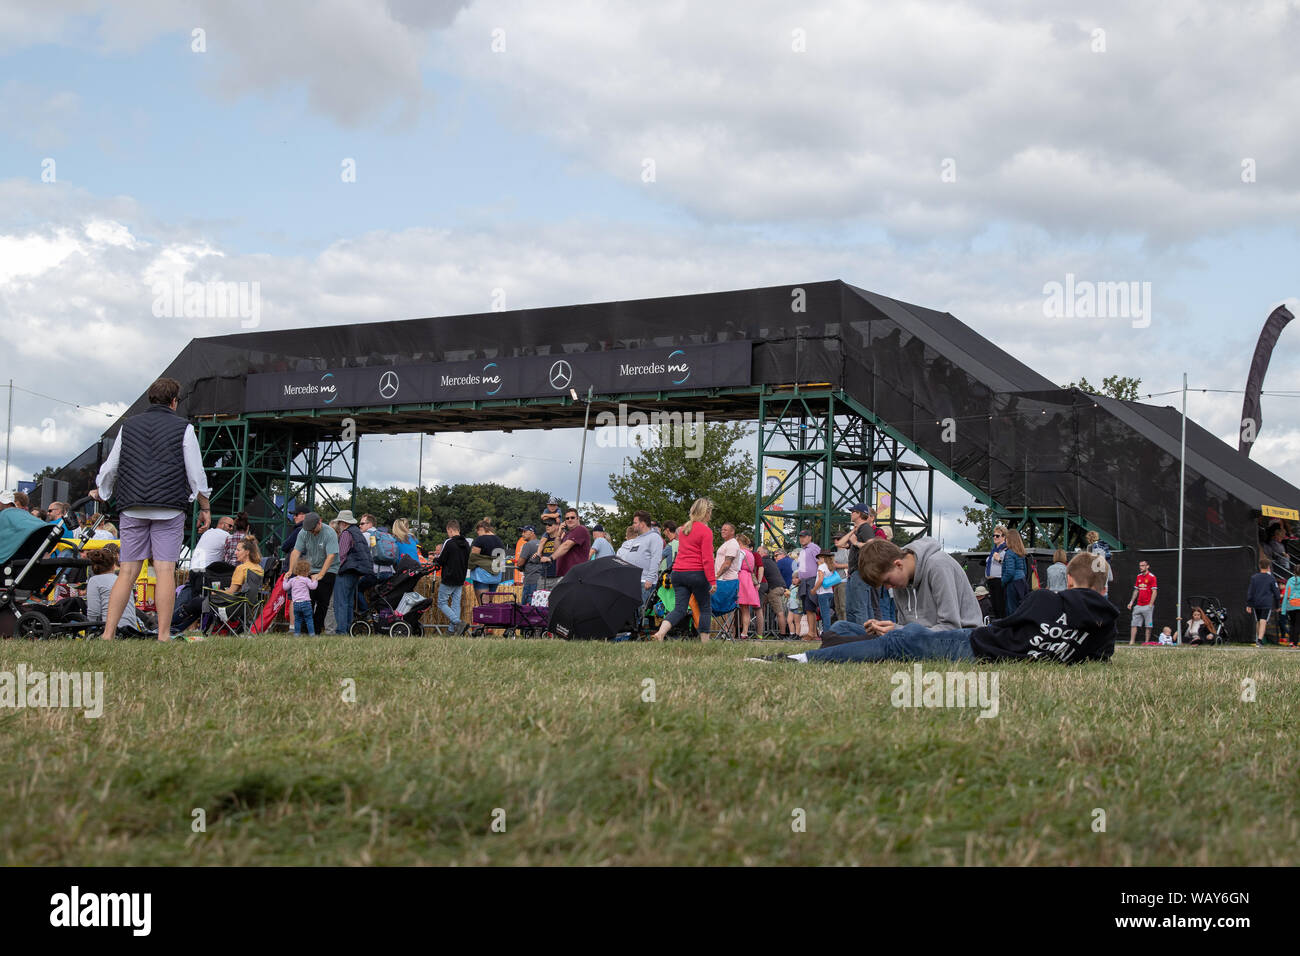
33 253
354 59
1147 137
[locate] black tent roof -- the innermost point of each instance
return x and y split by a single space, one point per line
1020 439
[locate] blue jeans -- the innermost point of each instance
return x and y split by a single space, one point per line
825 606
302 618
907 643
345 597
857 599
527 594
449 602
1014 591
883 605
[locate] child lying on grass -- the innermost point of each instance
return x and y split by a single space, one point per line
1074 625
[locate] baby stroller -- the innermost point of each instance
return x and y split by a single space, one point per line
503 611
29 572
393 606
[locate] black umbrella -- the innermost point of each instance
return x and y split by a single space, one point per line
596 600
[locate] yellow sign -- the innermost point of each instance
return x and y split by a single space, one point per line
773 479
1290 514
884 507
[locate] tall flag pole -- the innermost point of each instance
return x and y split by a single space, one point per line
1182 500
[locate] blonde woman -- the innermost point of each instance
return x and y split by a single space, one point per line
693 573
405 540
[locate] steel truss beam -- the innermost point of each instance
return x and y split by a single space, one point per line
261 467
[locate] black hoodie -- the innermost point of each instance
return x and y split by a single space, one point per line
454 560
1066 627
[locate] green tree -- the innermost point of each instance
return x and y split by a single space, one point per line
509 508
982 520
664 481
1115 386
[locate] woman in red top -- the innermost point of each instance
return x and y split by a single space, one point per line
693 574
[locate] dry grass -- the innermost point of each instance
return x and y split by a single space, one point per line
446 731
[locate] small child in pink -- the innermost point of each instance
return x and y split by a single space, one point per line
300 585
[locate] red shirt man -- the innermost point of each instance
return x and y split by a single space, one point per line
575 546
1144 595
1146 588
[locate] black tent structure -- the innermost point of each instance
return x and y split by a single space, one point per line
855 394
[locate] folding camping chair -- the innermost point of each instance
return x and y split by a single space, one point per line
229 614
726 611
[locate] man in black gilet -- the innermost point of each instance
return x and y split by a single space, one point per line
154 471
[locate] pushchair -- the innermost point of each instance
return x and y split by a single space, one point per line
392 605
500 609
29 572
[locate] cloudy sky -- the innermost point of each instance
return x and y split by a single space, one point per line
959 155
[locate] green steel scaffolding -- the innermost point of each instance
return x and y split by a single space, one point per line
265 469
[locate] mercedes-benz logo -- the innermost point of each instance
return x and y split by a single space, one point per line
388 384
561 375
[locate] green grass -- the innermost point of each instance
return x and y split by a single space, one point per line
445 731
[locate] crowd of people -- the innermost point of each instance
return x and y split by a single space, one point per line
863 587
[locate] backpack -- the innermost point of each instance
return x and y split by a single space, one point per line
384 550
1035 584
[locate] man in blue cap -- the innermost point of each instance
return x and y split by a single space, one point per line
526 550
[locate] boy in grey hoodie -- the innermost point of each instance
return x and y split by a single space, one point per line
930 589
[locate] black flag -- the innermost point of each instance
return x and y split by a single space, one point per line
1250 415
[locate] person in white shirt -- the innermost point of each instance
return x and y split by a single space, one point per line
210 546
156 470
726 562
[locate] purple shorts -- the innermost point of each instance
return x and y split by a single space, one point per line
157 540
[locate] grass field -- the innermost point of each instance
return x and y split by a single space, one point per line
557 735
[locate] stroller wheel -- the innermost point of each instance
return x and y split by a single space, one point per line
33 625
418 631
361 629
509 632
400 629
